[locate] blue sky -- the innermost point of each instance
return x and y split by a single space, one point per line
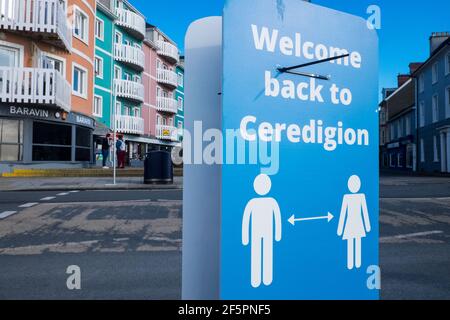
406 25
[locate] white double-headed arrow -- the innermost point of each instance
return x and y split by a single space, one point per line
292 220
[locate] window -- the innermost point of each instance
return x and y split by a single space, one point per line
400 160
79 81
118 108
421 114
137 112
435 149
434 73
447 64
447 102
9 56
392 132
410 156
51 62
180 80
98 106
435 108
180 103
83 144
391 160
118 37
52 142
180 125
98 67
117 73
99 29
408 125
422 151
81 25
421 83
400 128
11 140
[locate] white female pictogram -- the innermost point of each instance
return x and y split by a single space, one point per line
354 221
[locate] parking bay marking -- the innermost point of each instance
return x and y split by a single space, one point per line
28 205
48 198
411 235
6 214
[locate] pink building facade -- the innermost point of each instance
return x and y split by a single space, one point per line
160 81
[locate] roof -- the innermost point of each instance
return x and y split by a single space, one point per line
432 56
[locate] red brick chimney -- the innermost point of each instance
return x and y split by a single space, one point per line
413 66
402 78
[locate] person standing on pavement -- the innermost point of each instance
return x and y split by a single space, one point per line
106 146
121 152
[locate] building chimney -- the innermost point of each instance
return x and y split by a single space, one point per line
414 66
402 78
436 39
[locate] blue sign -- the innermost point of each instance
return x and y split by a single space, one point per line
300 214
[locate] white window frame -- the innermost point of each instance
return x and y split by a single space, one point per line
447 64
435 107
408 125
137 112
180 80
59 58
399 164
435 73
15 46
435 149
118 106
391 160
422 114
99 29
101 66
399 128
100 106
84 38
447 102
118 33
180 99
422 83
117 68
83 94
422 150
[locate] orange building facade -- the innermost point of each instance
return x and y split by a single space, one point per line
47 55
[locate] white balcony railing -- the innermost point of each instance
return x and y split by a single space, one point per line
129 124
168 50
40 16
165 104
129 54
131 20
35 86
167 77
166 133
129 89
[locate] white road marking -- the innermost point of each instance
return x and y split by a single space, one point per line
411 235
62 194
48 198
28 205
75 191
6 214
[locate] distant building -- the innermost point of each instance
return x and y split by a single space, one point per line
415 117
179 119
433 101
398 125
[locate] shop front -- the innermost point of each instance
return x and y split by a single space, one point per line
40 135
400 155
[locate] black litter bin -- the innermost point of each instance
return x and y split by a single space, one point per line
158 168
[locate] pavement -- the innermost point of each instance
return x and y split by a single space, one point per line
82 183
128 242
